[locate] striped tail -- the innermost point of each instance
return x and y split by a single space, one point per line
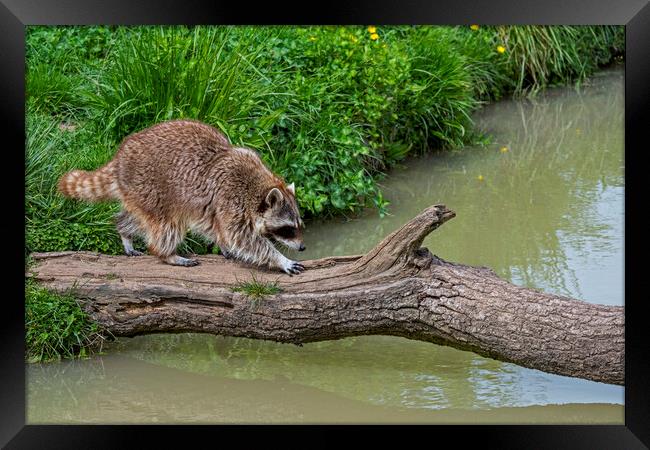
95 186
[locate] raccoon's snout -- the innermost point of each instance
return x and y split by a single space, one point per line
293 244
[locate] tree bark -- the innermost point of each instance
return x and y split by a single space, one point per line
398 289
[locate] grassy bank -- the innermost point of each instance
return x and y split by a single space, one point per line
56 326
329 108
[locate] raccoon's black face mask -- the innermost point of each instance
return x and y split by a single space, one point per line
282 222
289 235
286 232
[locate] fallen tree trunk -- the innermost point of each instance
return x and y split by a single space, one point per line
396 289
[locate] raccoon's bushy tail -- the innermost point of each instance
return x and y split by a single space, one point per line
94 186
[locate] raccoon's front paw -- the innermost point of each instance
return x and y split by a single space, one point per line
293 267
133 253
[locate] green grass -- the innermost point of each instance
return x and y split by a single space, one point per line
56 326
52 221
541 56
256 289
162 73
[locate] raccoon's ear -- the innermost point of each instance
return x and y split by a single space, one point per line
292 188
273 197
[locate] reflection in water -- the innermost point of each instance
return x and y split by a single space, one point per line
548 214
116 389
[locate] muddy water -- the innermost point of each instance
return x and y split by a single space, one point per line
542 205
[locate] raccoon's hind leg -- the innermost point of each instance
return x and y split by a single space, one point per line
162 240
128 228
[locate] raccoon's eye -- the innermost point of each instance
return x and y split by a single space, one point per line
287 232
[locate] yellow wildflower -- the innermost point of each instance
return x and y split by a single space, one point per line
474 27
372 29
312 38
501 49
504 149
374 36
480 178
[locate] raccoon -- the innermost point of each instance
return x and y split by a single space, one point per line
185 175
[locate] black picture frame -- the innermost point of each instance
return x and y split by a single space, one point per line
16 14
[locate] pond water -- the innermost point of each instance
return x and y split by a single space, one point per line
542 205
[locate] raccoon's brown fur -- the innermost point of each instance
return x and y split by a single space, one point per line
184 174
